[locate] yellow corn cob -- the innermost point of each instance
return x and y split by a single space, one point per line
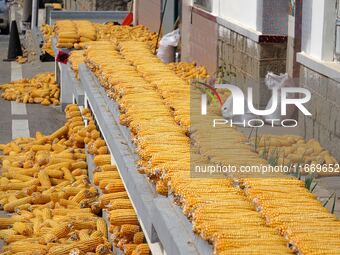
138 238
23 207
129 229
6 222
115 185
58 165
120 204
85 246
123 216
54 173
162 188
129 248
103 249
100 160
10 207
98 176
15 238
4 233
26 247
68 203
67 174
80 196
84 234
46 147
101 227
38 198
59 133
79 164
96 234
79 172
22 228
44 179
56 182
76 251
20 185
84 225
143 249
106 168
106 198
20 177
58 232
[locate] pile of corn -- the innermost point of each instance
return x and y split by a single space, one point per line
74 34
76 57
159 123
155 139
41 89
289 149
44 181
118 33
293 211
85 30
47 31
162 78
125 229
66 33
188 71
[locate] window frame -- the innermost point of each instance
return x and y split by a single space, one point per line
197 3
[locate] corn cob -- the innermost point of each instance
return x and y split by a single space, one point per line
44 179
129 230
103 249
22 228
129 248
10 207
142 249
106 198
138 238
120 204
98 176
114 186
101 227
100 160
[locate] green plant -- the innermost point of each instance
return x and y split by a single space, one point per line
273 158
310 183
333 195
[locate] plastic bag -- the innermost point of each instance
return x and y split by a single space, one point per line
227 112
166 50
277 82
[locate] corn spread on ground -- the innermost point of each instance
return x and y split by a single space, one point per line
44 183
41 89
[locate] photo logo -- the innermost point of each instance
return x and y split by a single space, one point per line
240 110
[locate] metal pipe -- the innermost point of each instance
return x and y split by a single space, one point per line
35 9
160 25
27 11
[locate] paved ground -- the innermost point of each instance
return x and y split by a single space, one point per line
38 117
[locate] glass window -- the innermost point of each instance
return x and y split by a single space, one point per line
204 4
337 39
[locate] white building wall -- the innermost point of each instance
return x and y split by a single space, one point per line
241 11
318 29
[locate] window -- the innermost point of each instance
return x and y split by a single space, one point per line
292 7
204 4
337 35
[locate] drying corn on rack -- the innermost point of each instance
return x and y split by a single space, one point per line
166 229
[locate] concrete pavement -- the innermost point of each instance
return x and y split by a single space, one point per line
38 118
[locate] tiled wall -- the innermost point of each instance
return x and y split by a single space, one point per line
324 124
248 62
199 39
